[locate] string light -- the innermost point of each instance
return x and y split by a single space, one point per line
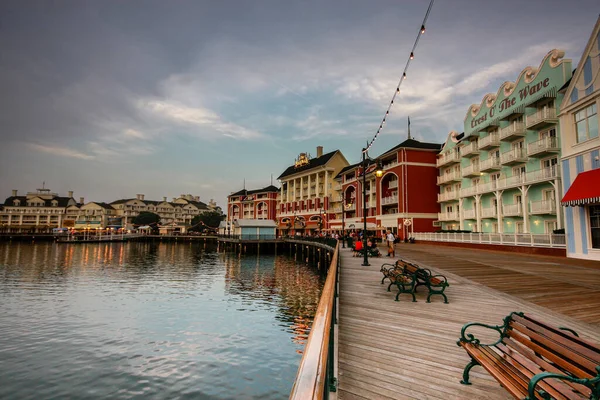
397 92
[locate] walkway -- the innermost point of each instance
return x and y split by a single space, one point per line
405 350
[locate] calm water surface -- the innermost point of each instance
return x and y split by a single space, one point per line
150 321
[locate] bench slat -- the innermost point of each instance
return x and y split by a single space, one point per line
503 377
527 356
584 348
553 351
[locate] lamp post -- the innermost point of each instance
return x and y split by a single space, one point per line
343 221
378 173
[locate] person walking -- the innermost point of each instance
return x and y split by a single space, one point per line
390 244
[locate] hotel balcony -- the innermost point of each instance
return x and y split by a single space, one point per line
469 214
448 196
541 118
448 158
351 207
390 165
489 212
490 141
512 210
514 131
514 156
471 170
470 150
389 200
393 185
543 147
491 164
543 207
448 216
453 176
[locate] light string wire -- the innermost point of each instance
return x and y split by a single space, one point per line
402 78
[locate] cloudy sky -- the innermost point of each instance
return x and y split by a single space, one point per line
113 98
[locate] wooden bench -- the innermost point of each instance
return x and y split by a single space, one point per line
436 284
533 360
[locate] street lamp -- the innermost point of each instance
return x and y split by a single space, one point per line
378 173
343 221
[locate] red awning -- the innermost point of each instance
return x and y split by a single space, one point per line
584 190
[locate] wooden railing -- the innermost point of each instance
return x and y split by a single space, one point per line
315 378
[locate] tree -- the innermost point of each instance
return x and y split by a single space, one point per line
209 219
146 218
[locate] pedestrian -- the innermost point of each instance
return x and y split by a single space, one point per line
390 243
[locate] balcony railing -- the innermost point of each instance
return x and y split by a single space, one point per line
469 214
514 156
447 196
512 131
542 117
448 158
490 141
492 163
448 216
393 184
543 147
511 210
470 150
514 239
449 177
489 212
389 200
543 207
471 170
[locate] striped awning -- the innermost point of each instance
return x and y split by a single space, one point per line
540 95
584 190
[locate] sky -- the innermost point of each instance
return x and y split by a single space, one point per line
115 98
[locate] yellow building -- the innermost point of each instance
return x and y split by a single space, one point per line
309 194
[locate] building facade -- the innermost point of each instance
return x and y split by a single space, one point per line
402 200
309 194
580 144
253 204
502 174
36 212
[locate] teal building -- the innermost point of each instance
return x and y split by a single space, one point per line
502 173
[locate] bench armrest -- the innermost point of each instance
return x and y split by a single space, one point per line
501 329
593 383
442 278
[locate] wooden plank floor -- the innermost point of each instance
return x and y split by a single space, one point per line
406 350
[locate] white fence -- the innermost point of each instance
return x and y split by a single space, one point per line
510 239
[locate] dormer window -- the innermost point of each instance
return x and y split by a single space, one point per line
54 203
17 202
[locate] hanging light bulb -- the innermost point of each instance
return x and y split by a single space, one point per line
398 89
422 28
404 75
412 55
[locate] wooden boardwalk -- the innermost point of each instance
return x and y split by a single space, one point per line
406 350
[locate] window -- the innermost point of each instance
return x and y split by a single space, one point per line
548 133
595 226
586 123
518 170
549 226
494 154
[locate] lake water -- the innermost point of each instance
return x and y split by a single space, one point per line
150 321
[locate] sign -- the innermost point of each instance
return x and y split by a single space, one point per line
247 198
302 160
509 102
408 222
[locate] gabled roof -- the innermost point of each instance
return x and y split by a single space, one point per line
61 201
268 189
347 168
415 144
312 163
200 205
121 201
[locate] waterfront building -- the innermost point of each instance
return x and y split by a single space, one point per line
580 146
253 204
36 212
502 175
178 213
309 195
403 200
95 215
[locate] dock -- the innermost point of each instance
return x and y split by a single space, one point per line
406 350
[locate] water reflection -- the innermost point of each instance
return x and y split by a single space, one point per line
150 320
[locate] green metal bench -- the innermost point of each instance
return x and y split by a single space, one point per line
533 360
405 283
435 284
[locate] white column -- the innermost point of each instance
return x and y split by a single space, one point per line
498 195
317 185
326 188
525 204
461 214
557 196
478 211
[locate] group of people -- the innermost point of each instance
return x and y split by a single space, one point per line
388 238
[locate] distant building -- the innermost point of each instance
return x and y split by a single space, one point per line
253 204
94 215
502 175
580 144
309 193
36 212
402 200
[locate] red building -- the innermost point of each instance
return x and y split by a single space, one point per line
403 200
253 204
